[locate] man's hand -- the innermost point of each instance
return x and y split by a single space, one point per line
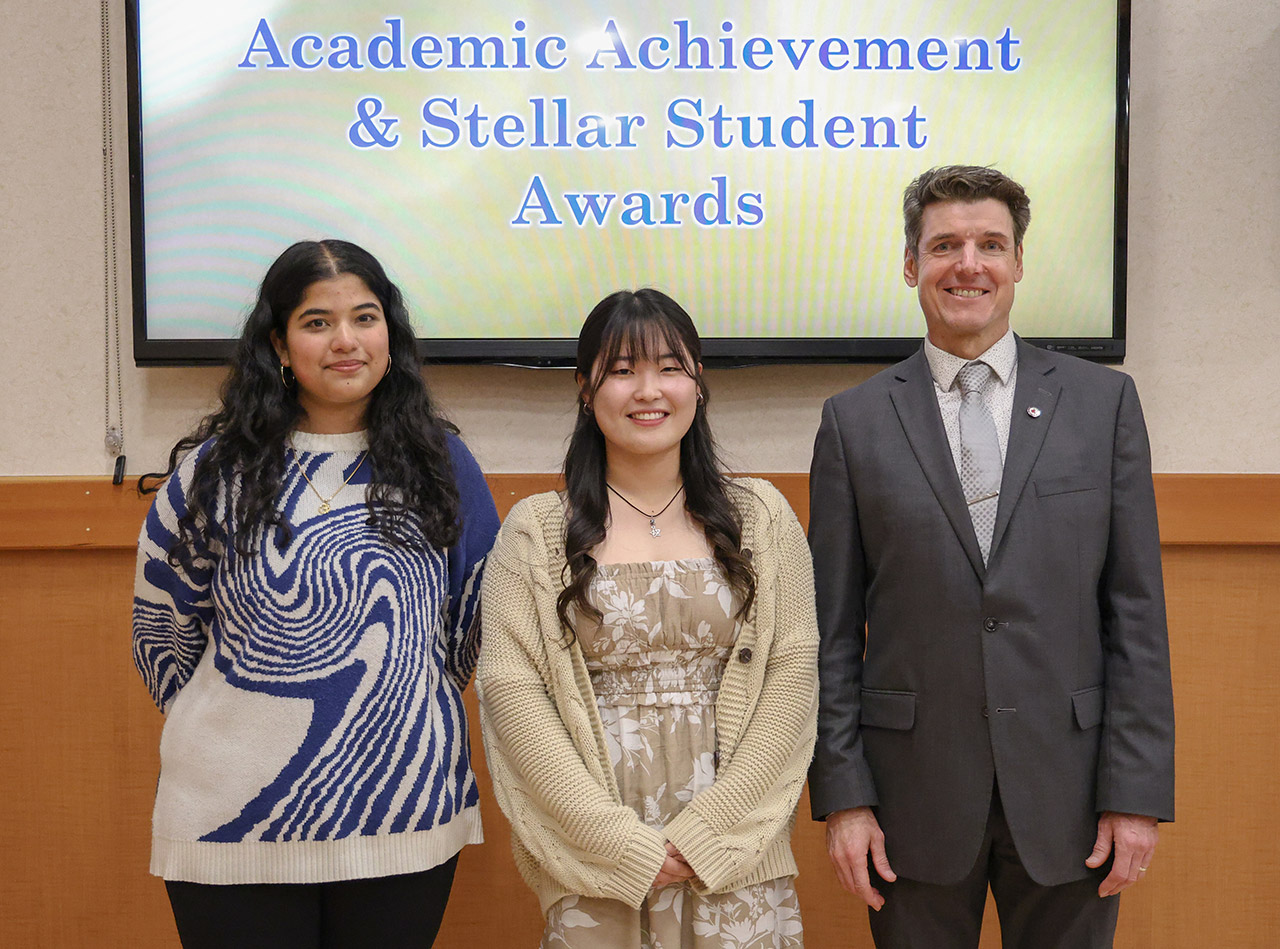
674 869
851 835
1133 837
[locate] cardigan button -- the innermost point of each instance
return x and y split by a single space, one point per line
744 654
746 552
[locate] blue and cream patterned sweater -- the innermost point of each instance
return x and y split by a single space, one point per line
314 727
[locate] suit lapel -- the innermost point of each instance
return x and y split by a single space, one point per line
1036 389
917 408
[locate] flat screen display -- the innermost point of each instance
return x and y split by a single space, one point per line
511 163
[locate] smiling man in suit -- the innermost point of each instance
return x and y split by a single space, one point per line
996 707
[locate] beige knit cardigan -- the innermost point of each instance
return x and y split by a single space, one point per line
544 742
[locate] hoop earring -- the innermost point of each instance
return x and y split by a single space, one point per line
701 400
388 370
586 408
283 381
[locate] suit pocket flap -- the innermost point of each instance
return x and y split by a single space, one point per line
1047 487
1088 706
888 709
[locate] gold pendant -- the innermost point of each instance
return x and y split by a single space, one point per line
324 507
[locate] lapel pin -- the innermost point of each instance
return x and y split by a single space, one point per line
1033 411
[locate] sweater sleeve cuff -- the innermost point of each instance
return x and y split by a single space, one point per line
641 861
705 851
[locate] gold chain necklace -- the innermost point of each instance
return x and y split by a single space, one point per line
654 529
324 502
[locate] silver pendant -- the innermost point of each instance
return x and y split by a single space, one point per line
654 529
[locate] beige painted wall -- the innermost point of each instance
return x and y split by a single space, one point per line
1204 268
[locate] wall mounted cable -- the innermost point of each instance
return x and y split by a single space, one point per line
112 381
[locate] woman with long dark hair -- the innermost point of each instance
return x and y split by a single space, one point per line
304 615
648 674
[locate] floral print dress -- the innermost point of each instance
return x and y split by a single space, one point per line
655 661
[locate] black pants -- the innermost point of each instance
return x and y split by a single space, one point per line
395 912
924 916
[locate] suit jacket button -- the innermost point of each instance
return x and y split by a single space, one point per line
985 713
990 624
744 654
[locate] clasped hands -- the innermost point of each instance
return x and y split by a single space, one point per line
675 869
853 834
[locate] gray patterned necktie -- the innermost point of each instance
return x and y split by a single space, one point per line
980 462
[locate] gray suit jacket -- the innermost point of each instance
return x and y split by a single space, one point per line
1047 669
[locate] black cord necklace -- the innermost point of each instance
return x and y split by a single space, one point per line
654 529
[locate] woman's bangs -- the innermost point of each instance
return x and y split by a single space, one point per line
646 337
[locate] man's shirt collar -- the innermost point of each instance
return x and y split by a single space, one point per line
1001 357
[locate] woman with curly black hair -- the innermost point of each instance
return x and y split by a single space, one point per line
648 679
304 615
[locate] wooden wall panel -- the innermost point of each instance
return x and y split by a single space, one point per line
64 513
1218 868
80 735
79 745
